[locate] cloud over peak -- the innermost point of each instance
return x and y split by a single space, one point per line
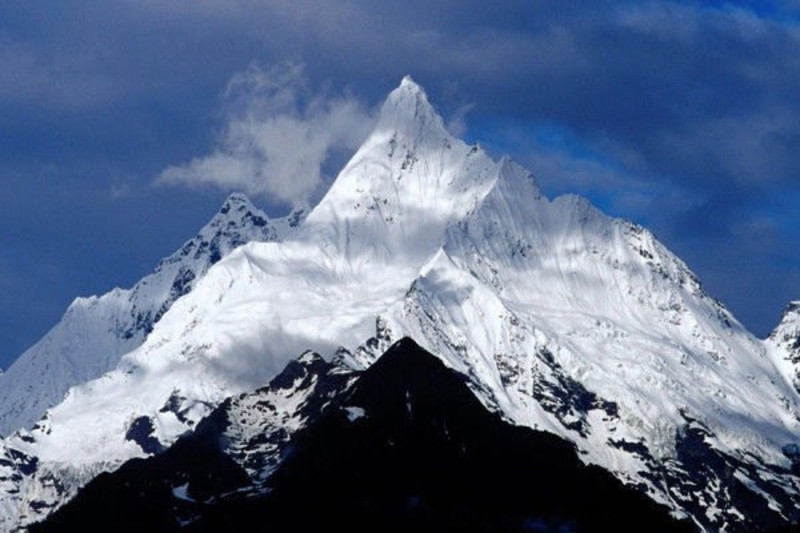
276 137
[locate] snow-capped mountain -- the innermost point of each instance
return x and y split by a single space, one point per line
96 331
562 319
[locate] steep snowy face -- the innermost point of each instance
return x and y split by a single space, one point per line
96 331
784 344
320 288
585 325
610 291
402 188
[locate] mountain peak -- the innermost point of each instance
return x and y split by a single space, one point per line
409 81
238 214
407 110
237 198
409 86
789 320
785 341
787 333
406 183
236 202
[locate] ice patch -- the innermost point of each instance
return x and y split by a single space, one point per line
354 413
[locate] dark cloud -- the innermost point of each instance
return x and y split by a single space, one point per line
682 115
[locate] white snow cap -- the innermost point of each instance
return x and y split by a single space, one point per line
407 110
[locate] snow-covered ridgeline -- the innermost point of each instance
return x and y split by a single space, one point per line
96 331
586 326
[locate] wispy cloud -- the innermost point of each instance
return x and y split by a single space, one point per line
457 123
277 136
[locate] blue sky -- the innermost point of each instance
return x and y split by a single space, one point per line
682 116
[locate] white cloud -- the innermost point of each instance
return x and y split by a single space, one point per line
457 125
276 138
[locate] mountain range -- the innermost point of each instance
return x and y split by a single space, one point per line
578 337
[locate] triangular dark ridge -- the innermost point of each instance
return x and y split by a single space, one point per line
409 447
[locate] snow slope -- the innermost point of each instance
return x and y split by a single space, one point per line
584 325
96 331
563 319
357 252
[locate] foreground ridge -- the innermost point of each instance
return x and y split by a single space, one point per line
406 445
